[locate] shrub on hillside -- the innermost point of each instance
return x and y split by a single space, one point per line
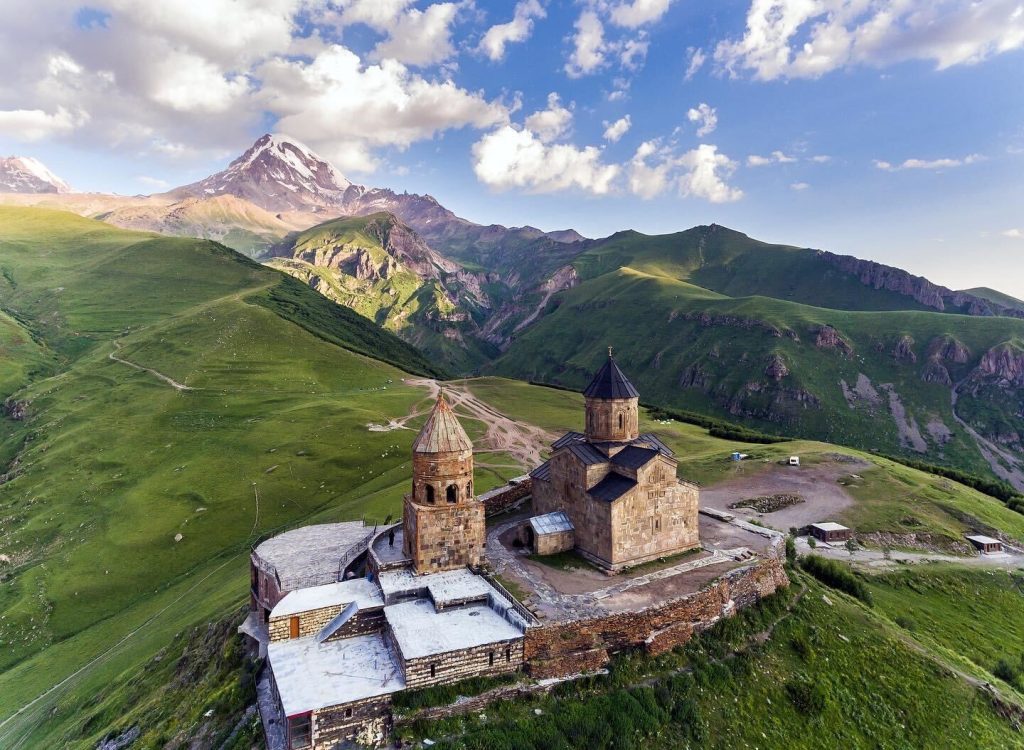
807 696
837 576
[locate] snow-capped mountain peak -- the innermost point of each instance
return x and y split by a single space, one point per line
277 173
24 174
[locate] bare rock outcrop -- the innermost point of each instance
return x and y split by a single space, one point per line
776 368
903 351
935 372
16 410
949 349
827 337
1005 362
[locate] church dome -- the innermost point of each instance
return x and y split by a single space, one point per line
442 432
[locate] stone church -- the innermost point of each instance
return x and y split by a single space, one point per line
610 491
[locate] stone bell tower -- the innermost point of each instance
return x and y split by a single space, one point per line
612 406
443 523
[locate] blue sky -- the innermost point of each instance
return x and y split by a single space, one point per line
892 130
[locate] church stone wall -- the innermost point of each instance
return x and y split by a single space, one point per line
312 622
490 659
583 645
505 497
366 722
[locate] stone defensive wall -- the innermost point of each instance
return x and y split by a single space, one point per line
579 646
507 496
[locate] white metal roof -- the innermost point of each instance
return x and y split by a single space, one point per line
313 675
982 539
420 630
311 554
829 526
365 593
551 523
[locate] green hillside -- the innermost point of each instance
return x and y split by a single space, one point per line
380 268
164 386
714 322
995 296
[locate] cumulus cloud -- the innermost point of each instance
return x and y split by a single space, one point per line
548 124
589 47
1014 234
35 124
933 164
706 116
701 172
346 109
799 186
776 157
517 30
511 158
809 38
695 61
615 130
420 37
638 12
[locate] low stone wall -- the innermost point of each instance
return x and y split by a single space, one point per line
461 665
507 496
583 645
315 620
366 722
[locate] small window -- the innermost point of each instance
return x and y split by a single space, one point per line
293 627
621 421
430 494
300 731
452 493
348 713
433 670
469 489
490 659
508 654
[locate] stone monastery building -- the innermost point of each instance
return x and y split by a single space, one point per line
347 615
615 489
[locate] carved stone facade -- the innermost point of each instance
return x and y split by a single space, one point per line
443 521
618 487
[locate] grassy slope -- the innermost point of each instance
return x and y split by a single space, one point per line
873 690
996 296
416 309
732 352
114 462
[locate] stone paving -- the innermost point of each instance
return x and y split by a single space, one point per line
552 605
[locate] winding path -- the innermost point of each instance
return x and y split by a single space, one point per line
167 379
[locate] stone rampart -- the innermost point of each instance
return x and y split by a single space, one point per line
507 496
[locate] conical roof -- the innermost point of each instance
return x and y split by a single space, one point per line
442 433
610 382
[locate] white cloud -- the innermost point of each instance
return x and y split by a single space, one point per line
377 14
705 115
799 186
701 172
934 164
1014 234
511 158
552 122
153 182
821 159
696 58
638 12
517 30
589 47
809 38
615 130
776 157
346 109
633 53
420 37
35 124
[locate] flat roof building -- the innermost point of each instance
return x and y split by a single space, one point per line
986 544
830 532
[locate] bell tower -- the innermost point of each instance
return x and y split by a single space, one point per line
613 406
443 523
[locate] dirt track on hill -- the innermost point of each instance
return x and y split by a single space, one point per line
524 442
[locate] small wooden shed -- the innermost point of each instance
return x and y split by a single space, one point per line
986 544
830 532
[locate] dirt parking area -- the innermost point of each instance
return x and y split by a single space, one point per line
824 499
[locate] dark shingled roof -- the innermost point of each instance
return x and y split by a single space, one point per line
610 382
542 472
587 453
569 437
634 456
442 432
612 487
652 439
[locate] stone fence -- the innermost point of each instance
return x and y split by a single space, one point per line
587 645
507 496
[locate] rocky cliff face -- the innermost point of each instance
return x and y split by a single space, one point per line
1005 363
879 276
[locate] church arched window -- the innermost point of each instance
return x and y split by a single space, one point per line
621 420
430 494
469 489
452 493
